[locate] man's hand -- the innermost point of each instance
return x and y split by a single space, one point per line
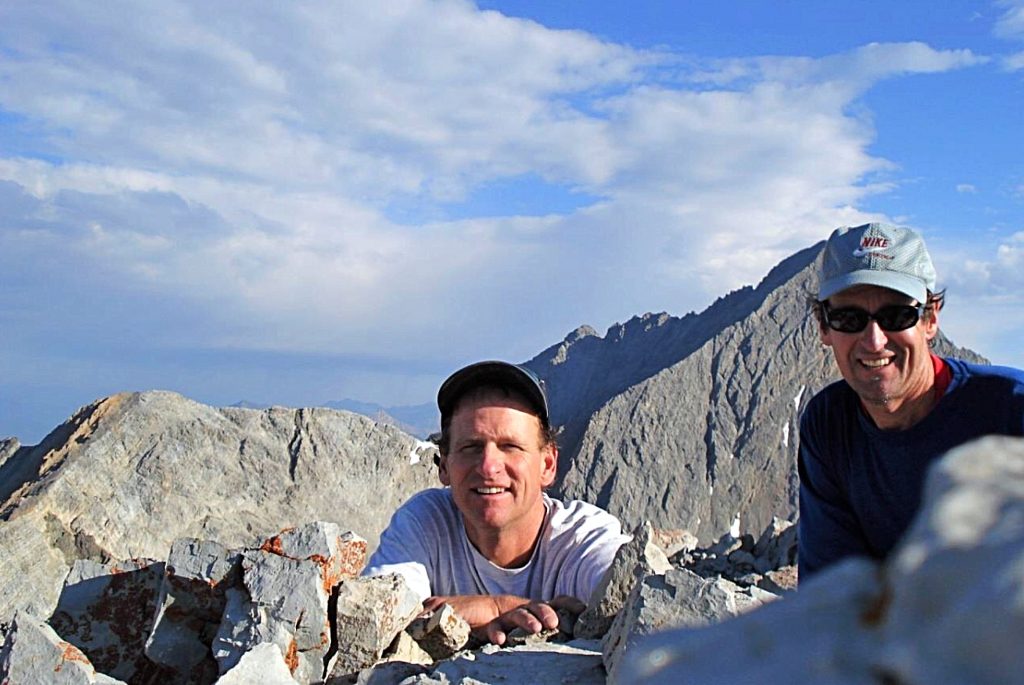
492 617
477 610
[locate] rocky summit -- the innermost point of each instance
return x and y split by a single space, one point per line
127 476
292 609
945 608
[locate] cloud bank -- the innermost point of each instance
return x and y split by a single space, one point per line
332 178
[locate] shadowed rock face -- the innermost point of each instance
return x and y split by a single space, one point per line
690 422
129 474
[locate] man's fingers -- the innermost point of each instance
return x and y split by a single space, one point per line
495 634
545 615
431 604
532 618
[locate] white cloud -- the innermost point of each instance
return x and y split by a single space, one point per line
966 188
846 74
1014 62
1010 23
999 275
227 174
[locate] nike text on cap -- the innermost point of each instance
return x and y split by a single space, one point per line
497 373
876 254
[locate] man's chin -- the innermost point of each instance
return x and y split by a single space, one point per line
490 516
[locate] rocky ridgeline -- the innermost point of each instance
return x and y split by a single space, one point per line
292 609
128 475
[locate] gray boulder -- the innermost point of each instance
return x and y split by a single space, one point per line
263 664
106 610
284 594
287 605
639 558
33 653
370 613
192 600
128 475
947 607
677 598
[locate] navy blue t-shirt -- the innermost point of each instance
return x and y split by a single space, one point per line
860 486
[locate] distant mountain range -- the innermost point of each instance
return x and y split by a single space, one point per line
420 420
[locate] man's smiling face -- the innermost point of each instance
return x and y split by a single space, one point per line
886 369
497 465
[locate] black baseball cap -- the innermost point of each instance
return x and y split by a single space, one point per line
498 373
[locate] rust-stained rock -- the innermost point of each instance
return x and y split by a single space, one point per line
441 633
33 653
106 610
282 601
675 540
263 664
370 613
339 555
197 576
781 580
286 588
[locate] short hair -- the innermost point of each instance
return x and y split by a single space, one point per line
548 436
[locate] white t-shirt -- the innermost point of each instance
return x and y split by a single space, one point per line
426 542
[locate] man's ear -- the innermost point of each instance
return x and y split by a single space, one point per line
442 469
931 325
824 333
549 464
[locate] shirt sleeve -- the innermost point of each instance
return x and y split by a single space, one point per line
829 529
598 557
403 550
590 552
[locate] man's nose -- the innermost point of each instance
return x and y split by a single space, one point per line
874 338
492 460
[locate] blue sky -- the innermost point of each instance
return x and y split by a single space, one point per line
300 202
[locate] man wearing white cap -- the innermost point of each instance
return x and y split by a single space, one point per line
492 543
866 441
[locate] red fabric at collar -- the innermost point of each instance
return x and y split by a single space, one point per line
943 376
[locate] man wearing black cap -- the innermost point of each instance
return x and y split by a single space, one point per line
492 543
866 441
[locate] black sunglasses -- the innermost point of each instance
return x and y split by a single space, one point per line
892 317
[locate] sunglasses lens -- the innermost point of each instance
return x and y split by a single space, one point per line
896 317
847 320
